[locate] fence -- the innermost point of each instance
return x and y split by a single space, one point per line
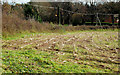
62 16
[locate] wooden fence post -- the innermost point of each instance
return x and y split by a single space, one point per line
62 17
68 18
112 17
58 15
119 20
92 19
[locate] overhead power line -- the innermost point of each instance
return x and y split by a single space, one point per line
72 11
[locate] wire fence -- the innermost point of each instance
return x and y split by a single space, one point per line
87 18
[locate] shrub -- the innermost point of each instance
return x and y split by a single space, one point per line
76 19
39 19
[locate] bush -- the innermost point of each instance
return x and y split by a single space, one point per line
77 19
39 19
30 12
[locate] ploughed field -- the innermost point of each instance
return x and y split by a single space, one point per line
72 52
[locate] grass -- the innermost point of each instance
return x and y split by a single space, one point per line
103 23
34 61
78 55
24 34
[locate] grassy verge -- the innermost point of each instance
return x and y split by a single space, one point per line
16 36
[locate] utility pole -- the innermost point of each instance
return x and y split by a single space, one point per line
58 15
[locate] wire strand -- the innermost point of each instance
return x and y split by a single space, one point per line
72 11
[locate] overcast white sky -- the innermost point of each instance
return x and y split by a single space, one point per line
25 1
16 1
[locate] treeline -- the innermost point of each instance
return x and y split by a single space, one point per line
44 12
60 13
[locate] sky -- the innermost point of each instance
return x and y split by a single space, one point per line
16 1
25 1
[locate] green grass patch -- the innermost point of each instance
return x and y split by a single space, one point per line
28 34
34 61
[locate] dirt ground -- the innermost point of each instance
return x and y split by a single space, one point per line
93 46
